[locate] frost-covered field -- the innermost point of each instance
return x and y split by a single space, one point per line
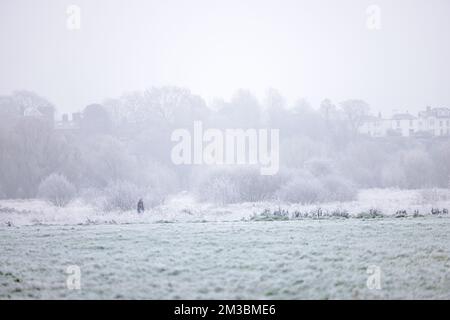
189 250
323 259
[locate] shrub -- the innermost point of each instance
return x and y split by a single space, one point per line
157 182
338 188
56 189
371 214
253 186
433 195
338 213
216 186
236 184
121 195
320 167
222 190
268 215
303 189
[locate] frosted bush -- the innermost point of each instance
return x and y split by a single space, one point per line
158 182
255 187
236 184
320 167
93 196
433 195
121 195
303 189
154 185
371 214
338 188
216 186
57 190
222 190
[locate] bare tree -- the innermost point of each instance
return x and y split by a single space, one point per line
355 111
57 189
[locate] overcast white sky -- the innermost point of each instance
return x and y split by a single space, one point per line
312 49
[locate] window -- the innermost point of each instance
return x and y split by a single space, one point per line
432 123
398 123
441 123
410 123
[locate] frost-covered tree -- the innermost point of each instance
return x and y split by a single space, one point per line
418 167
95 120
57 190
106 159
23 100
158 106
355 111
243 111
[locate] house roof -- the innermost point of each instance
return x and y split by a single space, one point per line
441 112
403 116
370 118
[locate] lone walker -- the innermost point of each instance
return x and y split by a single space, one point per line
140 206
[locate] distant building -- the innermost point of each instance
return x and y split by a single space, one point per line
375 126
66 124
404 124
41 113
431 122
435 121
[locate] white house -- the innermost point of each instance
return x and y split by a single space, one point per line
404 124
375 126
431 122
435 121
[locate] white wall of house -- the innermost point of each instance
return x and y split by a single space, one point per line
376 128
406 127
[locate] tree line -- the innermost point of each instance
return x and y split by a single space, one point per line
122 150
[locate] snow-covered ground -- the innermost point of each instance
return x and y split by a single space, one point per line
323 259
184 208
189 250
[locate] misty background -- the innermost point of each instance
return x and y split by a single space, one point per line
306 49
88 113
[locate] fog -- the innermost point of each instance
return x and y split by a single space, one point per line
243 149
93 94
306 49
117 152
